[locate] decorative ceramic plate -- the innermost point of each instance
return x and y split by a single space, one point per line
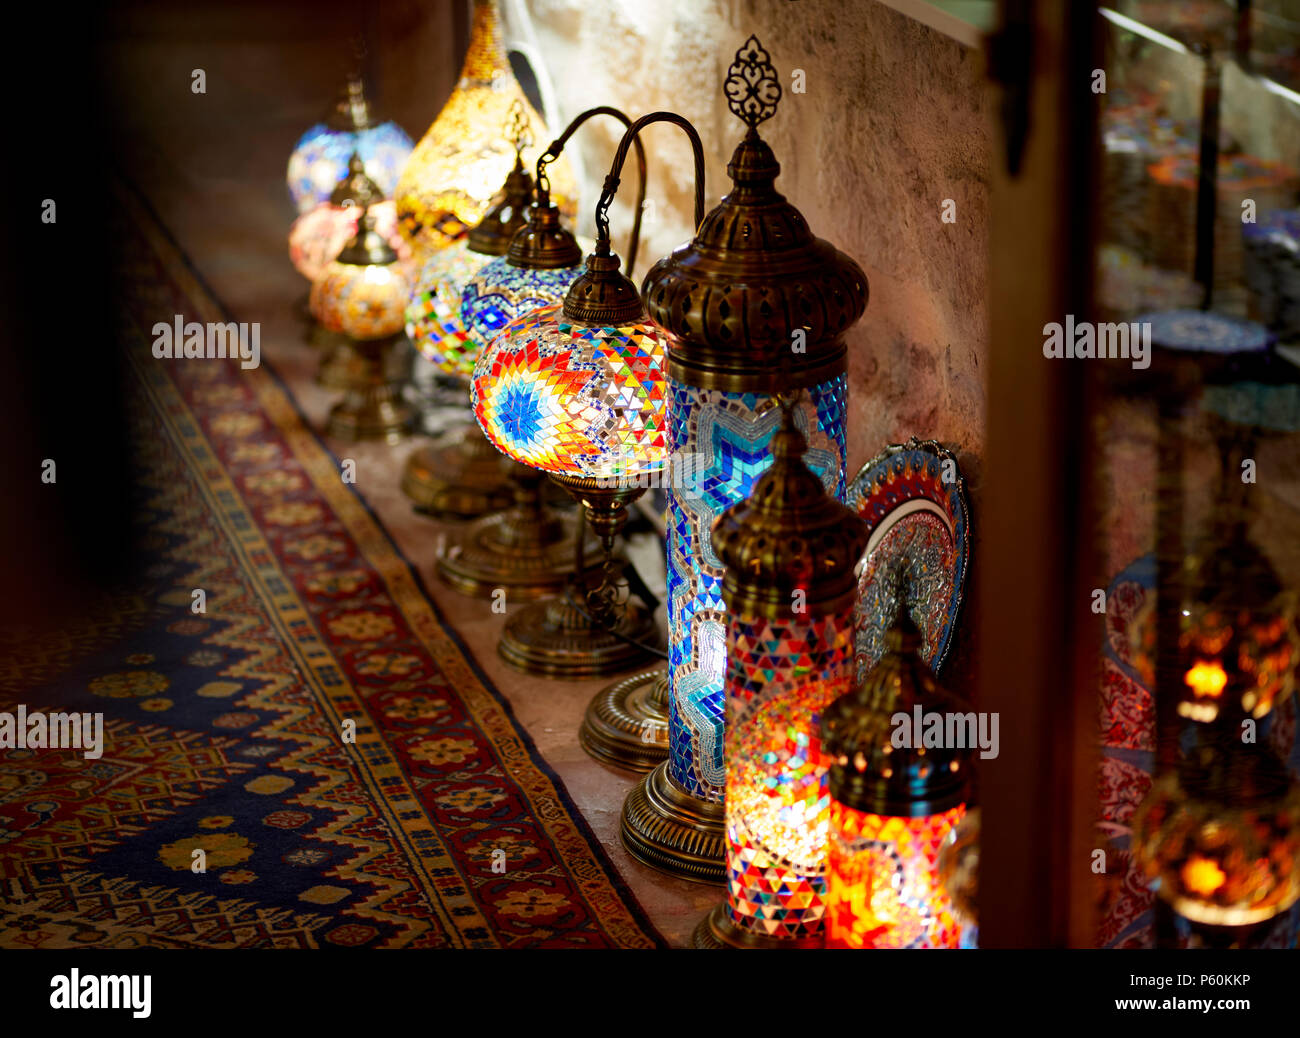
913 499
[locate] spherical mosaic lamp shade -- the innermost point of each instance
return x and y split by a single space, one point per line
363 293
320 158
455 170
574 399
895 797
500 291
318 236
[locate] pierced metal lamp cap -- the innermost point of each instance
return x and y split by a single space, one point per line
733 299
544 243
868 772
352 111
493 234
789 536
356 188
367 248
602 294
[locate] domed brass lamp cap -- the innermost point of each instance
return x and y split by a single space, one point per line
493 234
790 548
356 188
352 111
868 772
603 295
735 297
367 248
544 243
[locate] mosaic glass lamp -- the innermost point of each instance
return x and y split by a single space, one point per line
318 236
545 258
522 400
362 295
753 306
449 181
894 802
320 158
789 550
1219 836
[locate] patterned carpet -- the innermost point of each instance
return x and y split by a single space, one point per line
439 827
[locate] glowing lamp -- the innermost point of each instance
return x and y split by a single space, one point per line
318 236
894 803
321 157
1219 837
753 306
789 551
449 181
363 295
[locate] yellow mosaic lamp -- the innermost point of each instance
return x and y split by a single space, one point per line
452 175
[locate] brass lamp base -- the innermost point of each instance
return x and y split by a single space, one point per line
458 476
553 638
666 828
716 930
485 559
626 724
373 409
343 368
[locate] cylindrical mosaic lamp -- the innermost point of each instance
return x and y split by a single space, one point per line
894 802
753 306
789 552
448 182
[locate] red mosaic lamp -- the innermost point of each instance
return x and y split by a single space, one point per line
892 807
789 550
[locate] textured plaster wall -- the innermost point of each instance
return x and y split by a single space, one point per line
893 121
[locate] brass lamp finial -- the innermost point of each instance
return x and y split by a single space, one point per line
752 86
356 188
367 248
352 111
492 235
868 772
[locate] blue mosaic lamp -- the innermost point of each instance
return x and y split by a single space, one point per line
753 306
320 158
544 259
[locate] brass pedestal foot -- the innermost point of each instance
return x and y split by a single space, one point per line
716 930
554 638
526 550
626 723
665 827
372 409
343 368
459 476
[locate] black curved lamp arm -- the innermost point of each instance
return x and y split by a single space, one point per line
612 180
553 152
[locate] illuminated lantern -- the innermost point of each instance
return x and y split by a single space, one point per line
363 295
320 158
789 552
899 746
753 306
318 236
1219 836
450 179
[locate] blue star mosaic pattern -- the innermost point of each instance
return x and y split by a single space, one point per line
500 292
730 434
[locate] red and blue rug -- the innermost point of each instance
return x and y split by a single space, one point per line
441 826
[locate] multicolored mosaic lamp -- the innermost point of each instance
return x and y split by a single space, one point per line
789 552
318 236
459 475
449 181
320 158
753 306
545 258
536 399
362 295
892 806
